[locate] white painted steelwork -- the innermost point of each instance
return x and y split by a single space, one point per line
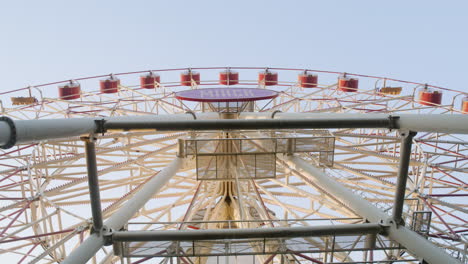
36 130
409 239
45 209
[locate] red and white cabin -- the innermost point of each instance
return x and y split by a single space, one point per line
70 91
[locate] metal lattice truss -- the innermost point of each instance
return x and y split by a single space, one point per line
250 158
45 201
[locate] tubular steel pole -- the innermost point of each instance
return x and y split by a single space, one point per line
415 243
93 182
405 154
13 132
277 232
95 241
253 124
453 123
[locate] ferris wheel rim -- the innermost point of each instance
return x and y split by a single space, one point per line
233 68
216 68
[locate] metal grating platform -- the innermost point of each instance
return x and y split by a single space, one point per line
251 158
227 247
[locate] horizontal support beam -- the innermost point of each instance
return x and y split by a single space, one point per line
251 124
13 132
278 232
448 123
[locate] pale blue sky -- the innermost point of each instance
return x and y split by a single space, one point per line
50 40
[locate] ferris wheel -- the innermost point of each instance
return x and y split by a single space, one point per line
233 164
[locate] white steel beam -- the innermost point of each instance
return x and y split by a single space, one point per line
415 243
26 131
96 240
453 124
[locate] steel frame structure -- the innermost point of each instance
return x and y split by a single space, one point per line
45 175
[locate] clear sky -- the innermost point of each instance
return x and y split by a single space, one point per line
50 40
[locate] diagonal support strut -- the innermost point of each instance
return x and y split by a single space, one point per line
405 154
93 182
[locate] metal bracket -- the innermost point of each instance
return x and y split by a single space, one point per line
407 133
393 122
81 228
12 141
181 147
100 126
386 224
107 233
89 138
36 197
274 113
290 146
193 114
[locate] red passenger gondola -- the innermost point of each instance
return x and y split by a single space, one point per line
268 78
228 77
347 84
308 80
189 77
70 91
428 96
150 81
110 85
